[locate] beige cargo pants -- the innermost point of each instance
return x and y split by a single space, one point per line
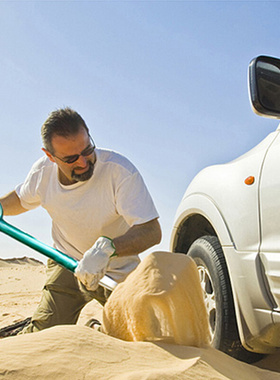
62 300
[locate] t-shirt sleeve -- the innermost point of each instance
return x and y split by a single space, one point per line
28 190
133 200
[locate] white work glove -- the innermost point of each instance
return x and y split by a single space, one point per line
95 262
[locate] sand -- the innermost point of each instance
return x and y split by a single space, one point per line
161 300
78 352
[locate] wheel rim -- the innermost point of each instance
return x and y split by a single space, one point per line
209 297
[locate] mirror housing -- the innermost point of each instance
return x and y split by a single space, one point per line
264 86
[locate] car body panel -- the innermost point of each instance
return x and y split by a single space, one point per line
237 202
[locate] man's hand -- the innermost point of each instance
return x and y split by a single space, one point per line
95 262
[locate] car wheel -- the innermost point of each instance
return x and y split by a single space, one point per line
209 258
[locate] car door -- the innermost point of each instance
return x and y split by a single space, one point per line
269 204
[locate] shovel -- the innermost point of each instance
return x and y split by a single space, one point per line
54 254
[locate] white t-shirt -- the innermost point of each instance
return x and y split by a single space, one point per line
108 204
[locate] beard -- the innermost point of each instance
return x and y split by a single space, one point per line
84 176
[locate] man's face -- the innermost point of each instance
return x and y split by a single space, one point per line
65 148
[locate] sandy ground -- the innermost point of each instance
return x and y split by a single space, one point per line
21 282
78 352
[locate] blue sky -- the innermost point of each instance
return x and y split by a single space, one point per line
163 82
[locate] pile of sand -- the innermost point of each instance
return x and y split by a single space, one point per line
161 300
78 352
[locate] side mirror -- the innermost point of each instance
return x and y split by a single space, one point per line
264 86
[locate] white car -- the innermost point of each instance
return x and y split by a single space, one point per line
229 222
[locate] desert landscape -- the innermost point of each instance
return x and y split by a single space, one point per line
79 352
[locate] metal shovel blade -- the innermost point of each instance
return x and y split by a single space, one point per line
54 254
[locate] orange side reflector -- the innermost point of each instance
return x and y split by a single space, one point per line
250 180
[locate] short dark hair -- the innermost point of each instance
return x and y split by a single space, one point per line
62 122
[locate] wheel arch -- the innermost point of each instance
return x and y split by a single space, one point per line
198 215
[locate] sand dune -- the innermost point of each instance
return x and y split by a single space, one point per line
20 261
78 352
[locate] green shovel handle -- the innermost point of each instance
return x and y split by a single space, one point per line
58 256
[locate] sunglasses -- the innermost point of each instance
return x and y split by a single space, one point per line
86 152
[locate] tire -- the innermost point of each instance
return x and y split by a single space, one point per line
209 258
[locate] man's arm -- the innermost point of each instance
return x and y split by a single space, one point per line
11 204
138 238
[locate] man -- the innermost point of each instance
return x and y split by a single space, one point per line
102 215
